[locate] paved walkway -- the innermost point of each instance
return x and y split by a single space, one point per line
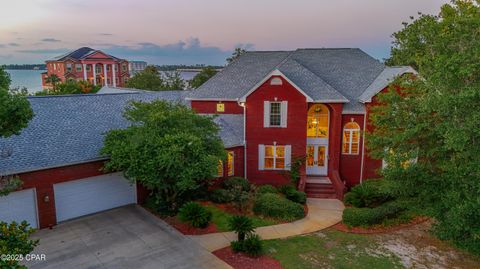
322 213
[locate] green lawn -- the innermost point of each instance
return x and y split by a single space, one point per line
331 249
220 218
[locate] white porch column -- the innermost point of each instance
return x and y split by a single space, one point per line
94 74
85 72
114 77
105 74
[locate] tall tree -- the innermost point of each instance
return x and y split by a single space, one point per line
4 79
15 110
169 148
435 118
53 80
173 81
236 54
202 77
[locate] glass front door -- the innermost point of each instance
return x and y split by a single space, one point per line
317 159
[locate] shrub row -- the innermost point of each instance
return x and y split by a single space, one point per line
275 206
370 216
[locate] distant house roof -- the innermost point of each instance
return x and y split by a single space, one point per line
335 75
80 54
70 129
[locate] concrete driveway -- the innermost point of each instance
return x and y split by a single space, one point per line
127 237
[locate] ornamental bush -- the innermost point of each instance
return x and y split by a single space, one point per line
195 215
371 216
221 196
296 196
286 188
266 189
370 193
236 183
275 206
251 246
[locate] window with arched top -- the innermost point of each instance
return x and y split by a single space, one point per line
317 121
351 138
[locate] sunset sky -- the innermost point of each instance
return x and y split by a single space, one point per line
198 31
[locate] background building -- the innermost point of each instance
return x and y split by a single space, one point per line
90 65
136 66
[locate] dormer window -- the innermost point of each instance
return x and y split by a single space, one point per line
276 81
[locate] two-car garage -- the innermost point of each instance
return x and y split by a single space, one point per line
72 199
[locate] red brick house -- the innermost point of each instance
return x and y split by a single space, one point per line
90 65
307 104
273 108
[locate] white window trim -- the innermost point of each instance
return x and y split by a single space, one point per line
283 114
350 141
287 157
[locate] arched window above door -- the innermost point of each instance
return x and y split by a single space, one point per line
317 122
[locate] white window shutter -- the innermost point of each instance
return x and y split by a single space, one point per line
261 157
288 157
266 114
284 113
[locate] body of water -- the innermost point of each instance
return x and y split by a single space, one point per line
31 79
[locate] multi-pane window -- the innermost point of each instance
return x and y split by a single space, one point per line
78 67
220 169
89 67
124 67
275 113
351 138
69 67
274 157
230 163
98 69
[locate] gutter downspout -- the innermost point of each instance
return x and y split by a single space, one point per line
363 145
244 138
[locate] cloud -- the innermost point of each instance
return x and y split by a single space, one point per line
14 44
105 34
2 45
45 51
50 39
190 51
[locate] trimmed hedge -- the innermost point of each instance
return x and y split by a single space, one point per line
296 196
275 206
371 216
286 188
370 193
266 189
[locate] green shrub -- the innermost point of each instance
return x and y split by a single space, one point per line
286 188
370 193
253 245
241 225
266 189
195 215
371 216
296 196
278 207
221 196
236 183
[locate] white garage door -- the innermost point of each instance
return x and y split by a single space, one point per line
86 196
19 206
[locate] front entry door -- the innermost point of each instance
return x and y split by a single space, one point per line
317 160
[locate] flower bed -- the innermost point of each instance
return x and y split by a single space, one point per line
242 261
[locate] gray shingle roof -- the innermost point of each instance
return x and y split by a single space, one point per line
70 129
326 74
231 130
382 81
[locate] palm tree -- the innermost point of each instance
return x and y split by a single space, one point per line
53 79
241 225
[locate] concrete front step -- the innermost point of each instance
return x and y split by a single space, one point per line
322 195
